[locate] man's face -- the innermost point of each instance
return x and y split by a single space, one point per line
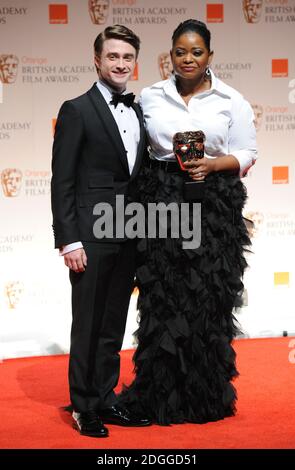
165 66
252 10
116 63
98 10
258 113
11 183
9 70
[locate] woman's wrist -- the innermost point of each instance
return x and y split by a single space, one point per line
225 163
213 164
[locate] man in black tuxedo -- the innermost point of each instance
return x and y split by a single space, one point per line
97 153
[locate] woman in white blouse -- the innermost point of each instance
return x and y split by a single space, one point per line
184 362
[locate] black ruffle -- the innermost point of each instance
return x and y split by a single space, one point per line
184 362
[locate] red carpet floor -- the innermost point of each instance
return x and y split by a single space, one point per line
34 390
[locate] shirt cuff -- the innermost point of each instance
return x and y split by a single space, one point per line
71 247
246 159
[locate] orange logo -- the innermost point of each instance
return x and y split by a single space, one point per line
98 10
281 279
11 180
165 65
58 14
8 68
53 126
280 68
215 13
13 291
135 73
280 174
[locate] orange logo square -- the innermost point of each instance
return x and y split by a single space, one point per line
135 73
281 279
53 125
280 174
280 68
215 13
58 14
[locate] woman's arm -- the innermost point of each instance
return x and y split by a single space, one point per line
242 152
199 169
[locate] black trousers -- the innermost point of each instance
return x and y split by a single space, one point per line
100 301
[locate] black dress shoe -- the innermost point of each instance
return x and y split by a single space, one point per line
89 424
121 416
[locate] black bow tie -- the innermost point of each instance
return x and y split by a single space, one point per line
126 99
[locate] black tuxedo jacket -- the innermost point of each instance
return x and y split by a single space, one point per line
89 166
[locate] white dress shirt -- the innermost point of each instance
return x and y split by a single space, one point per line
221 113
127 123
128 126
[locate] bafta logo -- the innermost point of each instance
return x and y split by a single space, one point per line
258 113
252 10
11 180
188 145
254 222
165 65
98 10
13 291
8 68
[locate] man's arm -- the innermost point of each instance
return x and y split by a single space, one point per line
68 140
65 156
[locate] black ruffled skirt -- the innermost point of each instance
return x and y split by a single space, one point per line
184 362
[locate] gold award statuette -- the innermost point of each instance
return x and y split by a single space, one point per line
188 146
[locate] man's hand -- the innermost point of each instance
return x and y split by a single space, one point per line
76 260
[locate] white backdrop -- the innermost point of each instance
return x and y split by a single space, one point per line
46 57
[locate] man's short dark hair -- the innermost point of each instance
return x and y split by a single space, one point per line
116 31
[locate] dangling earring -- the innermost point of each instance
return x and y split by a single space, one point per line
207 72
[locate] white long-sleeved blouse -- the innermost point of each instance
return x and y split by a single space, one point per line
221 113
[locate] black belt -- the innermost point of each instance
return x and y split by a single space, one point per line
167 166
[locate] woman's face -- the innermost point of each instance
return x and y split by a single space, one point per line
190 56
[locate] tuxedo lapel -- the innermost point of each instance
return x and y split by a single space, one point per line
109 123
141 143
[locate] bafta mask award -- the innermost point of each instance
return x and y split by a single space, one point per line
189 146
